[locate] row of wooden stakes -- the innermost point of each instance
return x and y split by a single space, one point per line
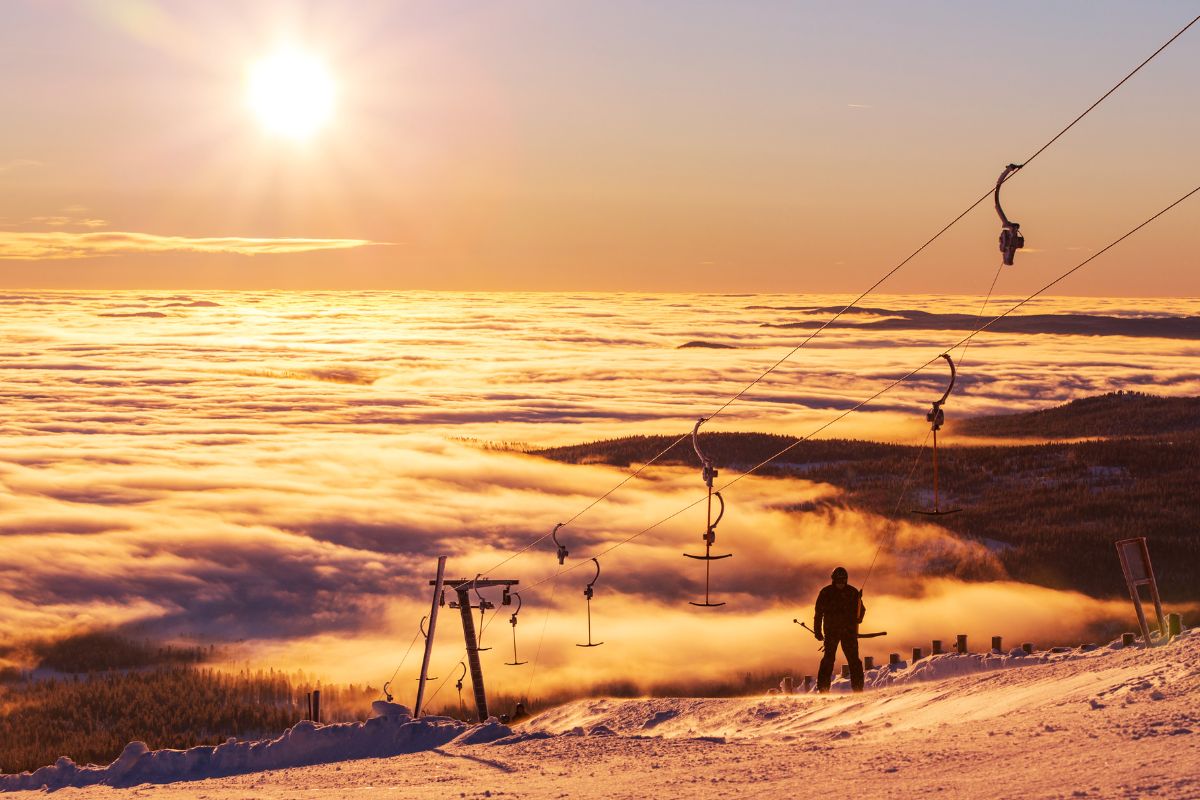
788 686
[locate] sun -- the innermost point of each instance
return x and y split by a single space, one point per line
292 94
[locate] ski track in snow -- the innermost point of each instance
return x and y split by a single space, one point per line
1112 722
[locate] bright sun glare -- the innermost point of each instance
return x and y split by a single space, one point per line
292 94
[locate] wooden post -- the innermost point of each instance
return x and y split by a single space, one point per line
433 615
786 685
893 658
997 644
1174 625
1127 639
308 705
1158 612
1027 647
961 644
316 706
918 654
937 647
868 662
808 682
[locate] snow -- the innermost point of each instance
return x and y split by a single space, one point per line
1107 722
304 743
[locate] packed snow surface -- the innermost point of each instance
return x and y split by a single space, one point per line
1108 722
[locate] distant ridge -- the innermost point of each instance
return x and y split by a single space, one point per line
1106 415
1165 327
1050 511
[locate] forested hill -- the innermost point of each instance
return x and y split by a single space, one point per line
1056 508
1114 414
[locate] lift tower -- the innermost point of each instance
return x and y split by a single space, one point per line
462 587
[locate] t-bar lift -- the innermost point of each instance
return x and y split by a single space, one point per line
463 588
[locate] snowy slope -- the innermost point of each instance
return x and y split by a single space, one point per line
1108 723
916 695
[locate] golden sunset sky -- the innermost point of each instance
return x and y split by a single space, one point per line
690 146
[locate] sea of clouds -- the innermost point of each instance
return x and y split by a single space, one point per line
277 472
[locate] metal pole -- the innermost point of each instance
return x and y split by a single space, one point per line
468 620
433 614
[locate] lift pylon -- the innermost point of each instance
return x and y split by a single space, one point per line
463 587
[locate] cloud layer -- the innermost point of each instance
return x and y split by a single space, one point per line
46 245
282 470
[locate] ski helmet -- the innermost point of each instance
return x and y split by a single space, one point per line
840 573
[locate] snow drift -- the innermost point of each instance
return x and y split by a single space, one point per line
303 744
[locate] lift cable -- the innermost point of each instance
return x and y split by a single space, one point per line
545 623
880 392
895 511
856 300
979 317
384 693
1116 86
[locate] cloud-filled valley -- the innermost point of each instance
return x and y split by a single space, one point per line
279 472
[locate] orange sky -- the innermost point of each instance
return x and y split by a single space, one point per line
605 146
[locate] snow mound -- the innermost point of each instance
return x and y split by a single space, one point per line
967 688
304 744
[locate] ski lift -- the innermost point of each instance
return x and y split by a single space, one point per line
709 473
562 550
936 418
588 594
513 621
484 606
1011 239
458 684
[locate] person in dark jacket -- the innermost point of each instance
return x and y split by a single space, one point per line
839 611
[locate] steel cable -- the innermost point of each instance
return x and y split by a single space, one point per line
879 393
860 297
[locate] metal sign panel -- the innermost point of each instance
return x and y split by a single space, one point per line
1135 561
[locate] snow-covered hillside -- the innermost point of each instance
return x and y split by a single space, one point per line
1112 722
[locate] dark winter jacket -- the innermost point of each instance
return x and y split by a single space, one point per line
839 609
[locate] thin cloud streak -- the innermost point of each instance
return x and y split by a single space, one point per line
64 245
18 163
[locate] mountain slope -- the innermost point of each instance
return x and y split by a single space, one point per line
1106 724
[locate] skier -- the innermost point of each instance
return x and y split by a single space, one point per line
840 609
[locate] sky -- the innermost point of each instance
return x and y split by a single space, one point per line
594 146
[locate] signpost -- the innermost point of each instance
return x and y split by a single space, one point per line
1135 563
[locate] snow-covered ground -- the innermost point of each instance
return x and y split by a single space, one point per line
1112 722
